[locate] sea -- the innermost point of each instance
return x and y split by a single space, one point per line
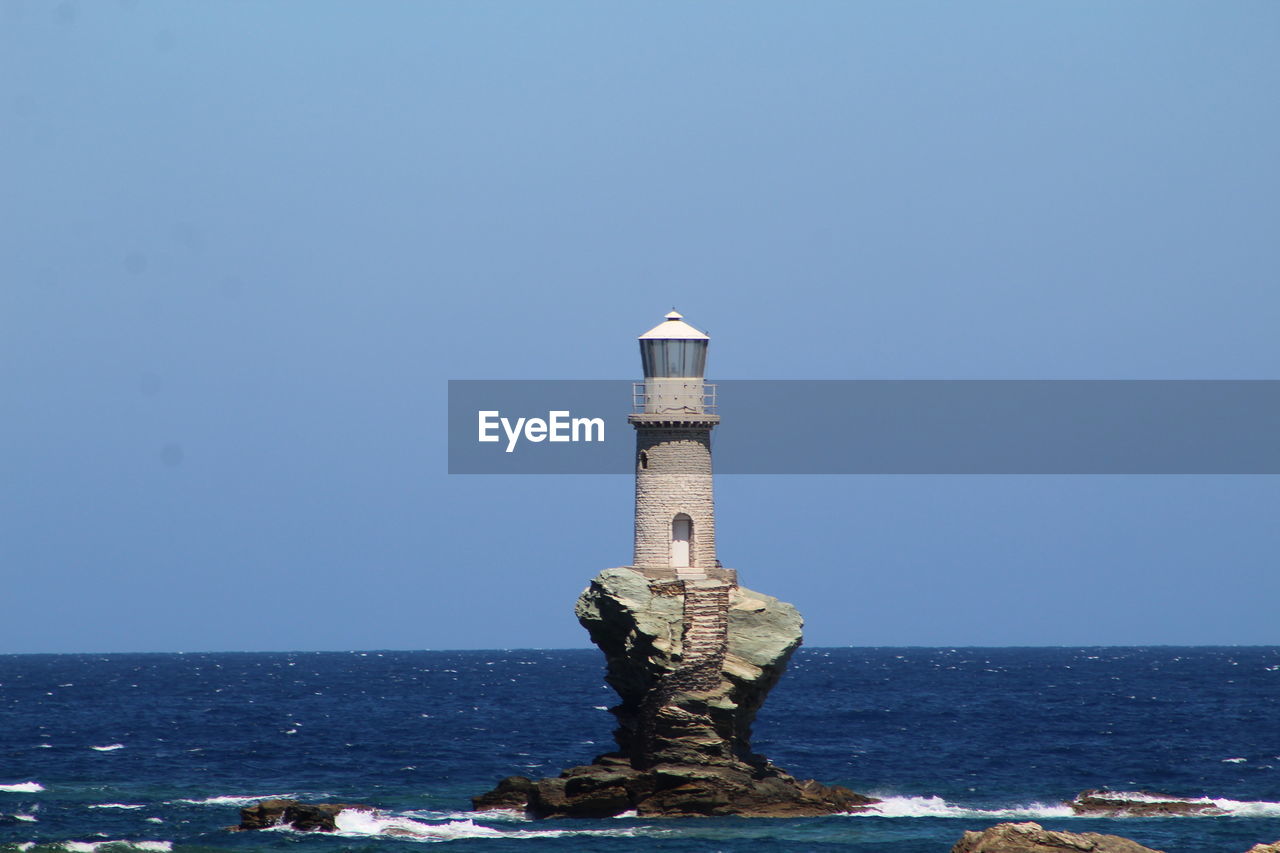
158 752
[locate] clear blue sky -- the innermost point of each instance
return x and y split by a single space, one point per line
244 245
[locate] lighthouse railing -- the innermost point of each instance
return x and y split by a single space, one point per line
673 395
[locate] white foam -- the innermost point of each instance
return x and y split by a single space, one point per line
897 806
237 800
1142 797
1139 796
1234 760
115 806
362 824
1244 808
22 788
109 748
107 846
26 818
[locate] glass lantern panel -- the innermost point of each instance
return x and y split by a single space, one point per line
673 357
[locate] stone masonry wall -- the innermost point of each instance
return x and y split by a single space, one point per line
677 479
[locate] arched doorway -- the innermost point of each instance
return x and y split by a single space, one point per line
681 541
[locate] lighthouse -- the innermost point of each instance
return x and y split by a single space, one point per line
691 654
674 412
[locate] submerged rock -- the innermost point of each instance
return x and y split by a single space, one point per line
1033 838
692 662
318 817
1138 804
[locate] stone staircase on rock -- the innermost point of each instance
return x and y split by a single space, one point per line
704 643
706 630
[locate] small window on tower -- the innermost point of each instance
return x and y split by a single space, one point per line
644 459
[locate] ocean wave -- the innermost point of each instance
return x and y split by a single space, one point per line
115 846
352 823
108 748
900 806
115 806
237 799
22 788
897 806
25 818
363 824
1237 808
96 846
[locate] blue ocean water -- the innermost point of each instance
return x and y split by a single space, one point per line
161 750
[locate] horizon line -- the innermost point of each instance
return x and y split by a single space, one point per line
594 649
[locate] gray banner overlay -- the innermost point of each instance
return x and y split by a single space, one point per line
797 426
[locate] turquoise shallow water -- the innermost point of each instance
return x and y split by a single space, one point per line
157 752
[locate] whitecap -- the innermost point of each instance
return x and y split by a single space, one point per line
362 824
111 846
351 822
25 818
237 800
108 748
1144 797
933 806
1236 808
1234 760
1247 808
907 806
115 806
22 788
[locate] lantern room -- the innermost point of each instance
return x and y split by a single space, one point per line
673 350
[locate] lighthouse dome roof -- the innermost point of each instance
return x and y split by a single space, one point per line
674 328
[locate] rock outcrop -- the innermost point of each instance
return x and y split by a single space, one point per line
692 662
1273 847
317 817
1139 804
1033 838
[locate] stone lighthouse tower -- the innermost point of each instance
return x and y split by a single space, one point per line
691 654
673 414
